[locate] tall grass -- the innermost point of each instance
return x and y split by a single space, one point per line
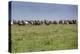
43 38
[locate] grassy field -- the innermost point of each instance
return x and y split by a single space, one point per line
30 38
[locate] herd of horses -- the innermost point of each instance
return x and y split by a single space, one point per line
46 22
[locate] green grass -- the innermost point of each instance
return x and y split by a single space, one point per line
43 38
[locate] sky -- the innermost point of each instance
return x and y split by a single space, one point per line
41 11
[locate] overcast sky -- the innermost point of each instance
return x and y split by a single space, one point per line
41 11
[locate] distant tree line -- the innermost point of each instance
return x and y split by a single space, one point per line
39 22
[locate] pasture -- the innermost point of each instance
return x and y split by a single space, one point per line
31 38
